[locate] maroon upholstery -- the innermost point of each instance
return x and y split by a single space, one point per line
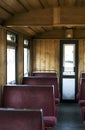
82 75
82 93
34 80
84 123
32 97
83 112
49 121
81 96
82 103
19 119
45 74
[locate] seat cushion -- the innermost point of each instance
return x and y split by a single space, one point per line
57 100
83 112
82 103
84 123
77 96
50 121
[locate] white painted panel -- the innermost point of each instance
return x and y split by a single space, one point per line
68 89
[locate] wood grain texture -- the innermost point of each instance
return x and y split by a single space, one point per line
81 59
3 56
43 13
20 59
46 55
3 63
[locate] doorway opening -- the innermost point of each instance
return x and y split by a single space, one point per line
68 69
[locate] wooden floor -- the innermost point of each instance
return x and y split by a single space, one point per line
69 117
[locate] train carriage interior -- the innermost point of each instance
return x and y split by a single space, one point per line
42 64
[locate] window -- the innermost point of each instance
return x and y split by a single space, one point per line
11 37
11 57
68 60
10 65
26 58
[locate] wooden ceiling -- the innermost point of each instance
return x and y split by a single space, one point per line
9 9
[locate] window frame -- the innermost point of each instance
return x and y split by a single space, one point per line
14 45
28 48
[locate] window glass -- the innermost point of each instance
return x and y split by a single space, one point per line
10 65
26 58
68 60
11 57
11 37
26 42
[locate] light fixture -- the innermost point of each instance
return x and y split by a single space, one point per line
69 33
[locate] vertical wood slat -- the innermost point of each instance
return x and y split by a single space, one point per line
47 55
81 55
31 55
52 55
84 54
20 59
81 59
34 55
3 57
57 55
42 56
38 49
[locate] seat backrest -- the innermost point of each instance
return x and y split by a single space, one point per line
82 89
19 119
45 74
82 75
34 80
32 97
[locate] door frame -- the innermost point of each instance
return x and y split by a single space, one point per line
76 66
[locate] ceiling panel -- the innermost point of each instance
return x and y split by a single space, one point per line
44 3
15 5
6 7
4 14
52 3
37 29
19 29
34 4
31 4
9 8
69 3
29 30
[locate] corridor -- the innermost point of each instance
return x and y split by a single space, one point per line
69 117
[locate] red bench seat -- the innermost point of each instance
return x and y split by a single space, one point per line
35 80
21 119
32 97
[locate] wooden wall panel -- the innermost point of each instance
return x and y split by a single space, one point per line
20 64
42 55
57 55
46 55
2 60
84 54
52 55
81 59
81 56
38 49
33 56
